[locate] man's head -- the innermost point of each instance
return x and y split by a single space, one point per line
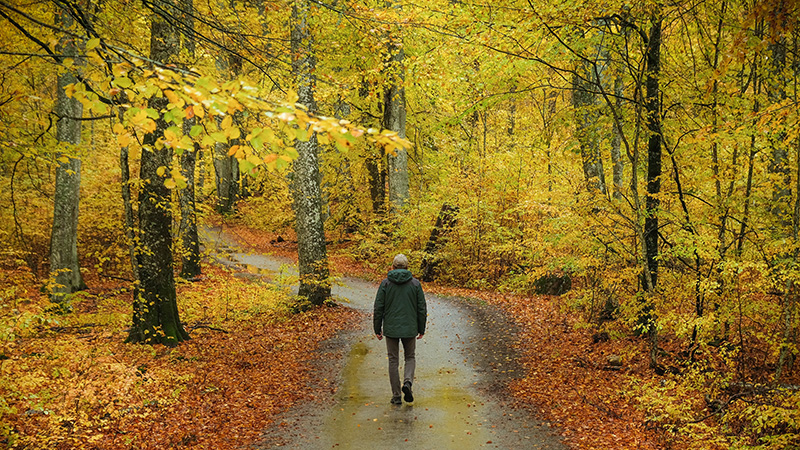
400 262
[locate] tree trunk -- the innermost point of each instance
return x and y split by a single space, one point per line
587 82
394 118
226 168
776 90
616 143
190 254
64 264
155 309
654 144
445 222
305 177
376 176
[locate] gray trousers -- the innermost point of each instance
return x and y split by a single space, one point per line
410 362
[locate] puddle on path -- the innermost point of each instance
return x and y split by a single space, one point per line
451 410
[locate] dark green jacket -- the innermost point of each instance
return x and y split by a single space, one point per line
400 310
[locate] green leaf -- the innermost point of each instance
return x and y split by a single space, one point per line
245 165
281 163
123 82
207 141
195 131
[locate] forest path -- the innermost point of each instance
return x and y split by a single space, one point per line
463 364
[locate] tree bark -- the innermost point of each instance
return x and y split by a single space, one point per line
445 222
226 168
155 309
587 82
776 91
190 254
618 165
652 203
305 177
64 263
190 243
394 118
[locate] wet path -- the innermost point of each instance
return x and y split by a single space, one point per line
462 363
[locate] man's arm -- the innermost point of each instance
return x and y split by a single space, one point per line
377 311
422 311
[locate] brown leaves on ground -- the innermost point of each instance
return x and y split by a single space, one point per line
81 387
567 378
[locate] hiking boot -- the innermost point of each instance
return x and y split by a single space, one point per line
396 401
408 396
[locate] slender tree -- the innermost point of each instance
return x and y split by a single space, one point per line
394 118
64 264
190 242
654 150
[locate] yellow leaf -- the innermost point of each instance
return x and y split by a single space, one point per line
118 128
149 125
269 158
199 111
139 117
170 136
253 159
174 98
292 97
69 90
226 122
160 171
124 140
234 106
92 43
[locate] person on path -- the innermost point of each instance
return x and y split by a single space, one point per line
399 314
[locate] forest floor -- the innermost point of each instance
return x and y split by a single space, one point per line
71 382
564 376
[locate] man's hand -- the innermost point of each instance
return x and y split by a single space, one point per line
379 336
419 336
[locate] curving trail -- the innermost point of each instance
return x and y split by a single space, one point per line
463 363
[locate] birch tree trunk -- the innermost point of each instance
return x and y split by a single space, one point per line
305 177
155 309
64 264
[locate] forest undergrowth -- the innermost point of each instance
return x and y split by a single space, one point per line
566 381
592 380
70 382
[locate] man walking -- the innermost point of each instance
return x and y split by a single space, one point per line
400 313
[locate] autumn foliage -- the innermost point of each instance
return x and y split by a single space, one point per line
646 155
69 381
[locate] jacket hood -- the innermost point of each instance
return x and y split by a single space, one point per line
399 276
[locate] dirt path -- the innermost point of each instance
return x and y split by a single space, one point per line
463 363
